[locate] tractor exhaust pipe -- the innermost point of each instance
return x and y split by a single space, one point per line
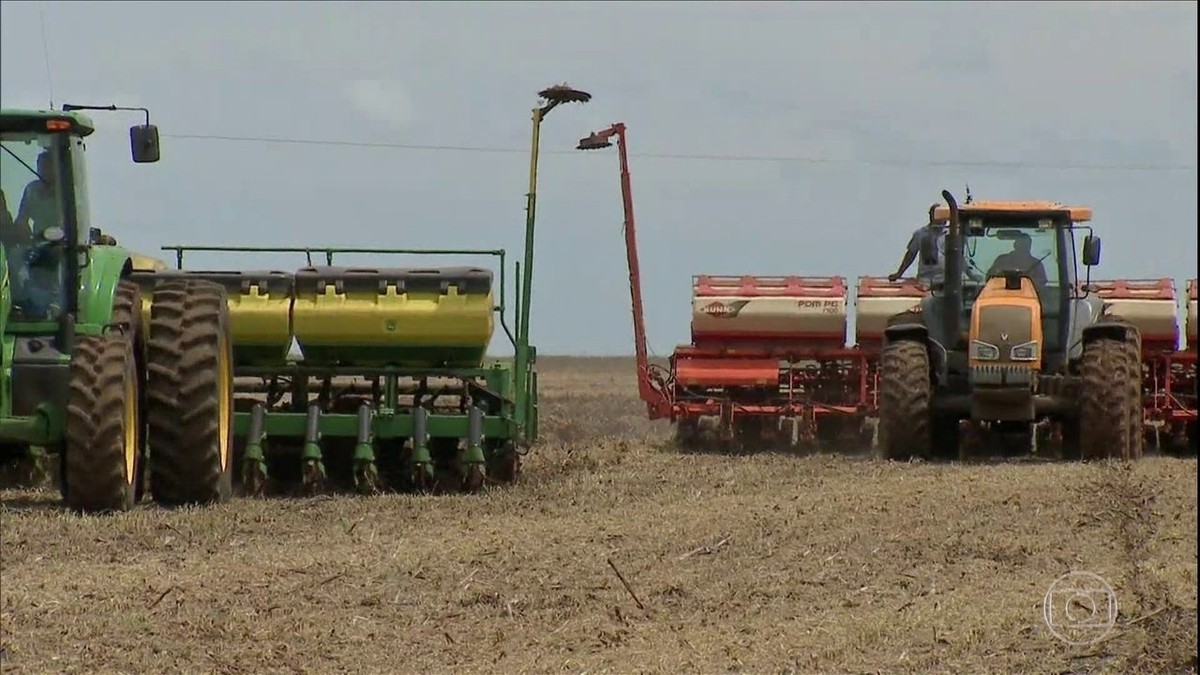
953 273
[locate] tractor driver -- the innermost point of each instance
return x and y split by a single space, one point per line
39 206
1020 259
38 211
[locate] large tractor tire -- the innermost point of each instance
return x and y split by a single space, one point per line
190 394
102 452
127 311
127 317
1132 348
905 394
1110 414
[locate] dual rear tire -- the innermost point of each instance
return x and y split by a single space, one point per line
165 399
1110 413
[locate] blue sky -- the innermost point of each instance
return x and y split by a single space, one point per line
896 100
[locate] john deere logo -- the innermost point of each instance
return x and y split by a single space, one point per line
724 310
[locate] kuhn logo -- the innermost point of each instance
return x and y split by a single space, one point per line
722 310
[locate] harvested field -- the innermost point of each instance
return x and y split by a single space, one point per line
752 563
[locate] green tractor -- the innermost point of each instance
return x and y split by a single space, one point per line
126 405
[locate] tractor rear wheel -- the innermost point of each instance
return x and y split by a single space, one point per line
127 310
127 316
190 394
102 452
905 394
1132 348
1133 381
1110 415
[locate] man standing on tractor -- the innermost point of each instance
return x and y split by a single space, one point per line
927 274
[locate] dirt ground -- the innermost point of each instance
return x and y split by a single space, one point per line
763 563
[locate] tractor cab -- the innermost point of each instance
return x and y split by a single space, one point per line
1019 278
44 222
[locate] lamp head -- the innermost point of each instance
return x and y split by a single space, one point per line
593 142
563 93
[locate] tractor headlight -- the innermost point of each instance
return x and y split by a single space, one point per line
982 351
1027 351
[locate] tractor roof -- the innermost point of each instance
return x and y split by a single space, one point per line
1078 214
17 119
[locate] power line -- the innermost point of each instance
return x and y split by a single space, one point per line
1001 164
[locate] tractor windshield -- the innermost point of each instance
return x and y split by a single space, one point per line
1027 248
31 222
1035 247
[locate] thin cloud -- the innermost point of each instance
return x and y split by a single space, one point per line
386 101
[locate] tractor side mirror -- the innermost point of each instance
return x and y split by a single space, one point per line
143 143
929 251
1091 250
96 237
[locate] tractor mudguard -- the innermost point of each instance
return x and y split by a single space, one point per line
911 326
1111 327
107 265
906 331
906 326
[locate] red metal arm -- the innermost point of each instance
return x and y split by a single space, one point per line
651 388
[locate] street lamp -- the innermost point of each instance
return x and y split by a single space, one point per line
552 97
652 389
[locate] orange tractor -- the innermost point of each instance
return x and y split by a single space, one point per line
1014 343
